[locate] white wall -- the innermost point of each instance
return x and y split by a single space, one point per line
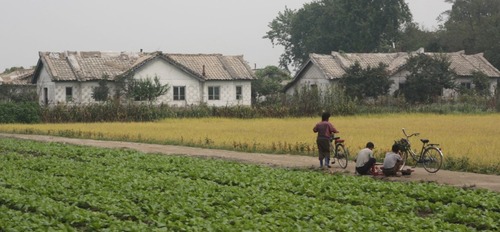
44 81
196 90
311 75
169 74
227 92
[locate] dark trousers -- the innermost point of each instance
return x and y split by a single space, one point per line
392 171
364 169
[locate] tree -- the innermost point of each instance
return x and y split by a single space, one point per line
414 37
428 76
366 83
474 26
145 89
481 84
101 92
337 25
269 81
13 69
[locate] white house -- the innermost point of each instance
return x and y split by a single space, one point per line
323 70
215 79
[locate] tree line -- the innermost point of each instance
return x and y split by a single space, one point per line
383 26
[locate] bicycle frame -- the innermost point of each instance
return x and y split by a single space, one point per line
339 151
426 150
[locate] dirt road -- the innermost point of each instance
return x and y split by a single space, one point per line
459 179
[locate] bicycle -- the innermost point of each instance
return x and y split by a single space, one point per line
430 156
339 151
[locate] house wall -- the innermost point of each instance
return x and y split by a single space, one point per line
171 75
227 91
398 79
310 76
44 81
196 91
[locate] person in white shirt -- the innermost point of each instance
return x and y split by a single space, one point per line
392 161
364 159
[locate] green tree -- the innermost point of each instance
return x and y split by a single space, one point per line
366 83
481 84
337 25
269 81
414 37
428 76
474 26
101 92
13 69
145 89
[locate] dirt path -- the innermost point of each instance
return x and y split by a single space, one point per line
459 179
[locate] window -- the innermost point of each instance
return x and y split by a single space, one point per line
69 94
402 86
213 93
239 93
465 85
179 93
45 96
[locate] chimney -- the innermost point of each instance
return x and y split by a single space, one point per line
203 71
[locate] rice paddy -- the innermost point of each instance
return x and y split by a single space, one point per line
472 137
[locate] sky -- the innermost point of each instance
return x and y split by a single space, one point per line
228 27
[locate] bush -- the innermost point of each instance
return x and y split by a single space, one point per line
27 112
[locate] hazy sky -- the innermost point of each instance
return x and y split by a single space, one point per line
229 27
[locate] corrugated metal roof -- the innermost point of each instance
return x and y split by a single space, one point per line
86 66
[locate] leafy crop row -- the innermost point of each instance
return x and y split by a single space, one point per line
63 187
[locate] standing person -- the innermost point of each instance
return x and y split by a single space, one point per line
325 132
392 161
364 159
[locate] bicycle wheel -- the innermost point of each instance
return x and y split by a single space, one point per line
404 156
432 159
342 155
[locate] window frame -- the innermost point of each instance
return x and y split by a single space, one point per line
69 94
213 93
239 92
179 93
466 85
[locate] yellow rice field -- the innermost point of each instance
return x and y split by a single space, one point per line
474 136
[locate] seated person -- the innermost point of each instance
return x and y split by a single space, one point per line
392 161
364 159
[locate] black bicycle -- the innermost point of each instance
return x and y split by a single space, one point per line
340 152
430 156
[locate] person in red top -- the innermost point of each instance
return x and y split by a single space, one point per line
325 132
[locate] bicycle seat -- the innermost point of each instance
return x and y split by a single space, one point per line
424 140
338 140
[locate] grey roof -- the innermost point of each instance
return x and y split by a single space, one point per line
18 77
334 65
87 66
215 66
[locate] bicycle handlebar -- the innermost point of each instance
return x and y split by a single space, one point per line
408 136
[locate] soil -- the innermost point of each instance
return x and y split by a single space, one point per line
458 179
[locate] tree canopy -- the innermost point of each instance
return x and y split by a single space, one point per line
366 83
269 81
474 26
427 77
337 25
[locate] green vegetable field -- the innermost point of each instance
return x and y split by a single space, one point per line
58 187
